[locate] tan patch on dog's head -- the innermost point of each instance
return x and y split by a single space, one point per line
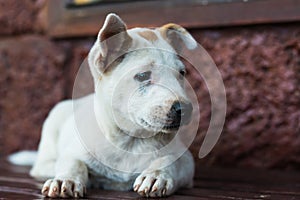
177 36
148 35
164 29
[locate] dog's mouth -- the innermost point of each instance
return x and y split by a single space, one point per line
171 127
163 127
148 125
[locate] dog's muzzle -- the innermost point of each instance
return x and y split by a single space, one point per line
180 113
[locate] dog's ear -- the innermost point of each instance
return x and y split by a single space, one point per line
113 40
178 37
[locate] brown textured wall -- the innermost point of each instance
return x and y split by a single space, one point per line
31 80
19 17
260 66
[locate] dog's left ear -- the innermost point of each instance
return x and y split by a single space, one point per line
177 36
113 40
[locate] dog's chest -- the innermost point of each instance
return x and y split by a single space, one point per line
118 166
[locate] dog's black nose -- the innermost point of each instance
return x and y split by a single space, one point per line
180 111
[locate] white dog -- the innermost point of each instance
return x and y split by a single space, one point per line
123 136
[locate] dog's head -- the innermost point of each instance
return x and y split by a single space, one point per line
139 76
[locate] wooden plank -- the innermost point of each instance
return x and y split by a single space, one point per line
189 13
106 194
279 189
212 193
257 176
212 183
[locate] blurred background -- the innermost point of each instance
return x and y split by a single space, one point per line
254 43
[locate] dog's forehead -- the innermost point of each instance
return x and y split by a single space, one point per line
150 46
149 35
150 60
146 37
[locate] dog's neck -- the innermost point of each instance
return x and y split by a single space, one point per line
126 141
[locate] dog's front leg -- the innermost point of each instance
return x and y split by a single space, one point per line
156 181
71 176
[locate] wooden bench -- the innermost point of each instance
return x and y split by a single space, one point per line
210 183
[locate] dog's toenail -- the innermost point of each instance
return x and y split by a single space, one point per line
45 189
136 188
146 190
164 191
154 189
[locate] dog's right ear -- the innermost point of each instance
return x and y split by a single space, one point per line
178 37
113 41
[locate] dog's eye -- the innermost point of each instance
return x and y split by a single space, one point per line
143 76
182 73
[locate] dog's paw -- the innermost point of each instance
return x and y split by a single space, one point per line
55 188
154 184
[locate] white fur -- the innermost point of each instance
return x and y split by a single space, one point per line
99 140
25 158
